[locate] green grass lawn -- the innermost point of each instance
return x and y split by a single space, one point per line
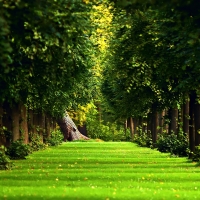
101 170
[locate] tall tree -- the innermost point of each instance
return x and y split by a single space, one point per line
50 68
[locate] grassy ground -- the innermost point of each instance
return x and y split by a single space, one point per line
101 170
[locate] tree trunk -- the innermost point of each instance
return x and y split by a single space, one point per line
154 127
186 117
24 123
47 126
191 122
30 122
197 123
2 135
41 125
51 124
166 123
160 119
125 127
69 129
154 124
173 121
35 123
149 121
15 122
54 123
132 127
135 121
169 114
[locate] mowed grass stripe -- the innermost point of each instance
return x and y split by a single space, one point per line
104 170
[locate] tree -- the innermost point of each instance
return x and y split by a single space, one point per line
51 62
153 41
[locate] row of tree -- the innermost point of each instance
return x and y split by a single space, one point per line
142 55
153 65
45 64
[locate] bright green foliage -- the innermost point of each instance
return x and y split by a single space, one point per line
101 170
142 139
196 155
18 150
36 143
127 84
51 61
171 143
56 138
153 58
5 162
105 130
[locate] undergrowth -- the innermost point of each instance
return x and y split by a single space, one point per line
18 150
5 162
174 144
36 143
55 139
143 139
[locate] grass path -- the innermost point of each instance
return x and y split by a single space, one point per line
101 170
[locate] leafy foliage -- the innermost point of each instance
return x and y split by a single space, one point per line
5 162
142 139
107 131
51 51
152 58
4 44
196 154
171 143
18 150
55 139
36 143
79 115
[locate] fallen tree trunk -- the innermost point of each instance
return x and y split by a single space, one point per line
69 129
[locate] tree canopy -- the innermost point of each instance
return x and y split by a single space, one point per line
153 58
49 66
